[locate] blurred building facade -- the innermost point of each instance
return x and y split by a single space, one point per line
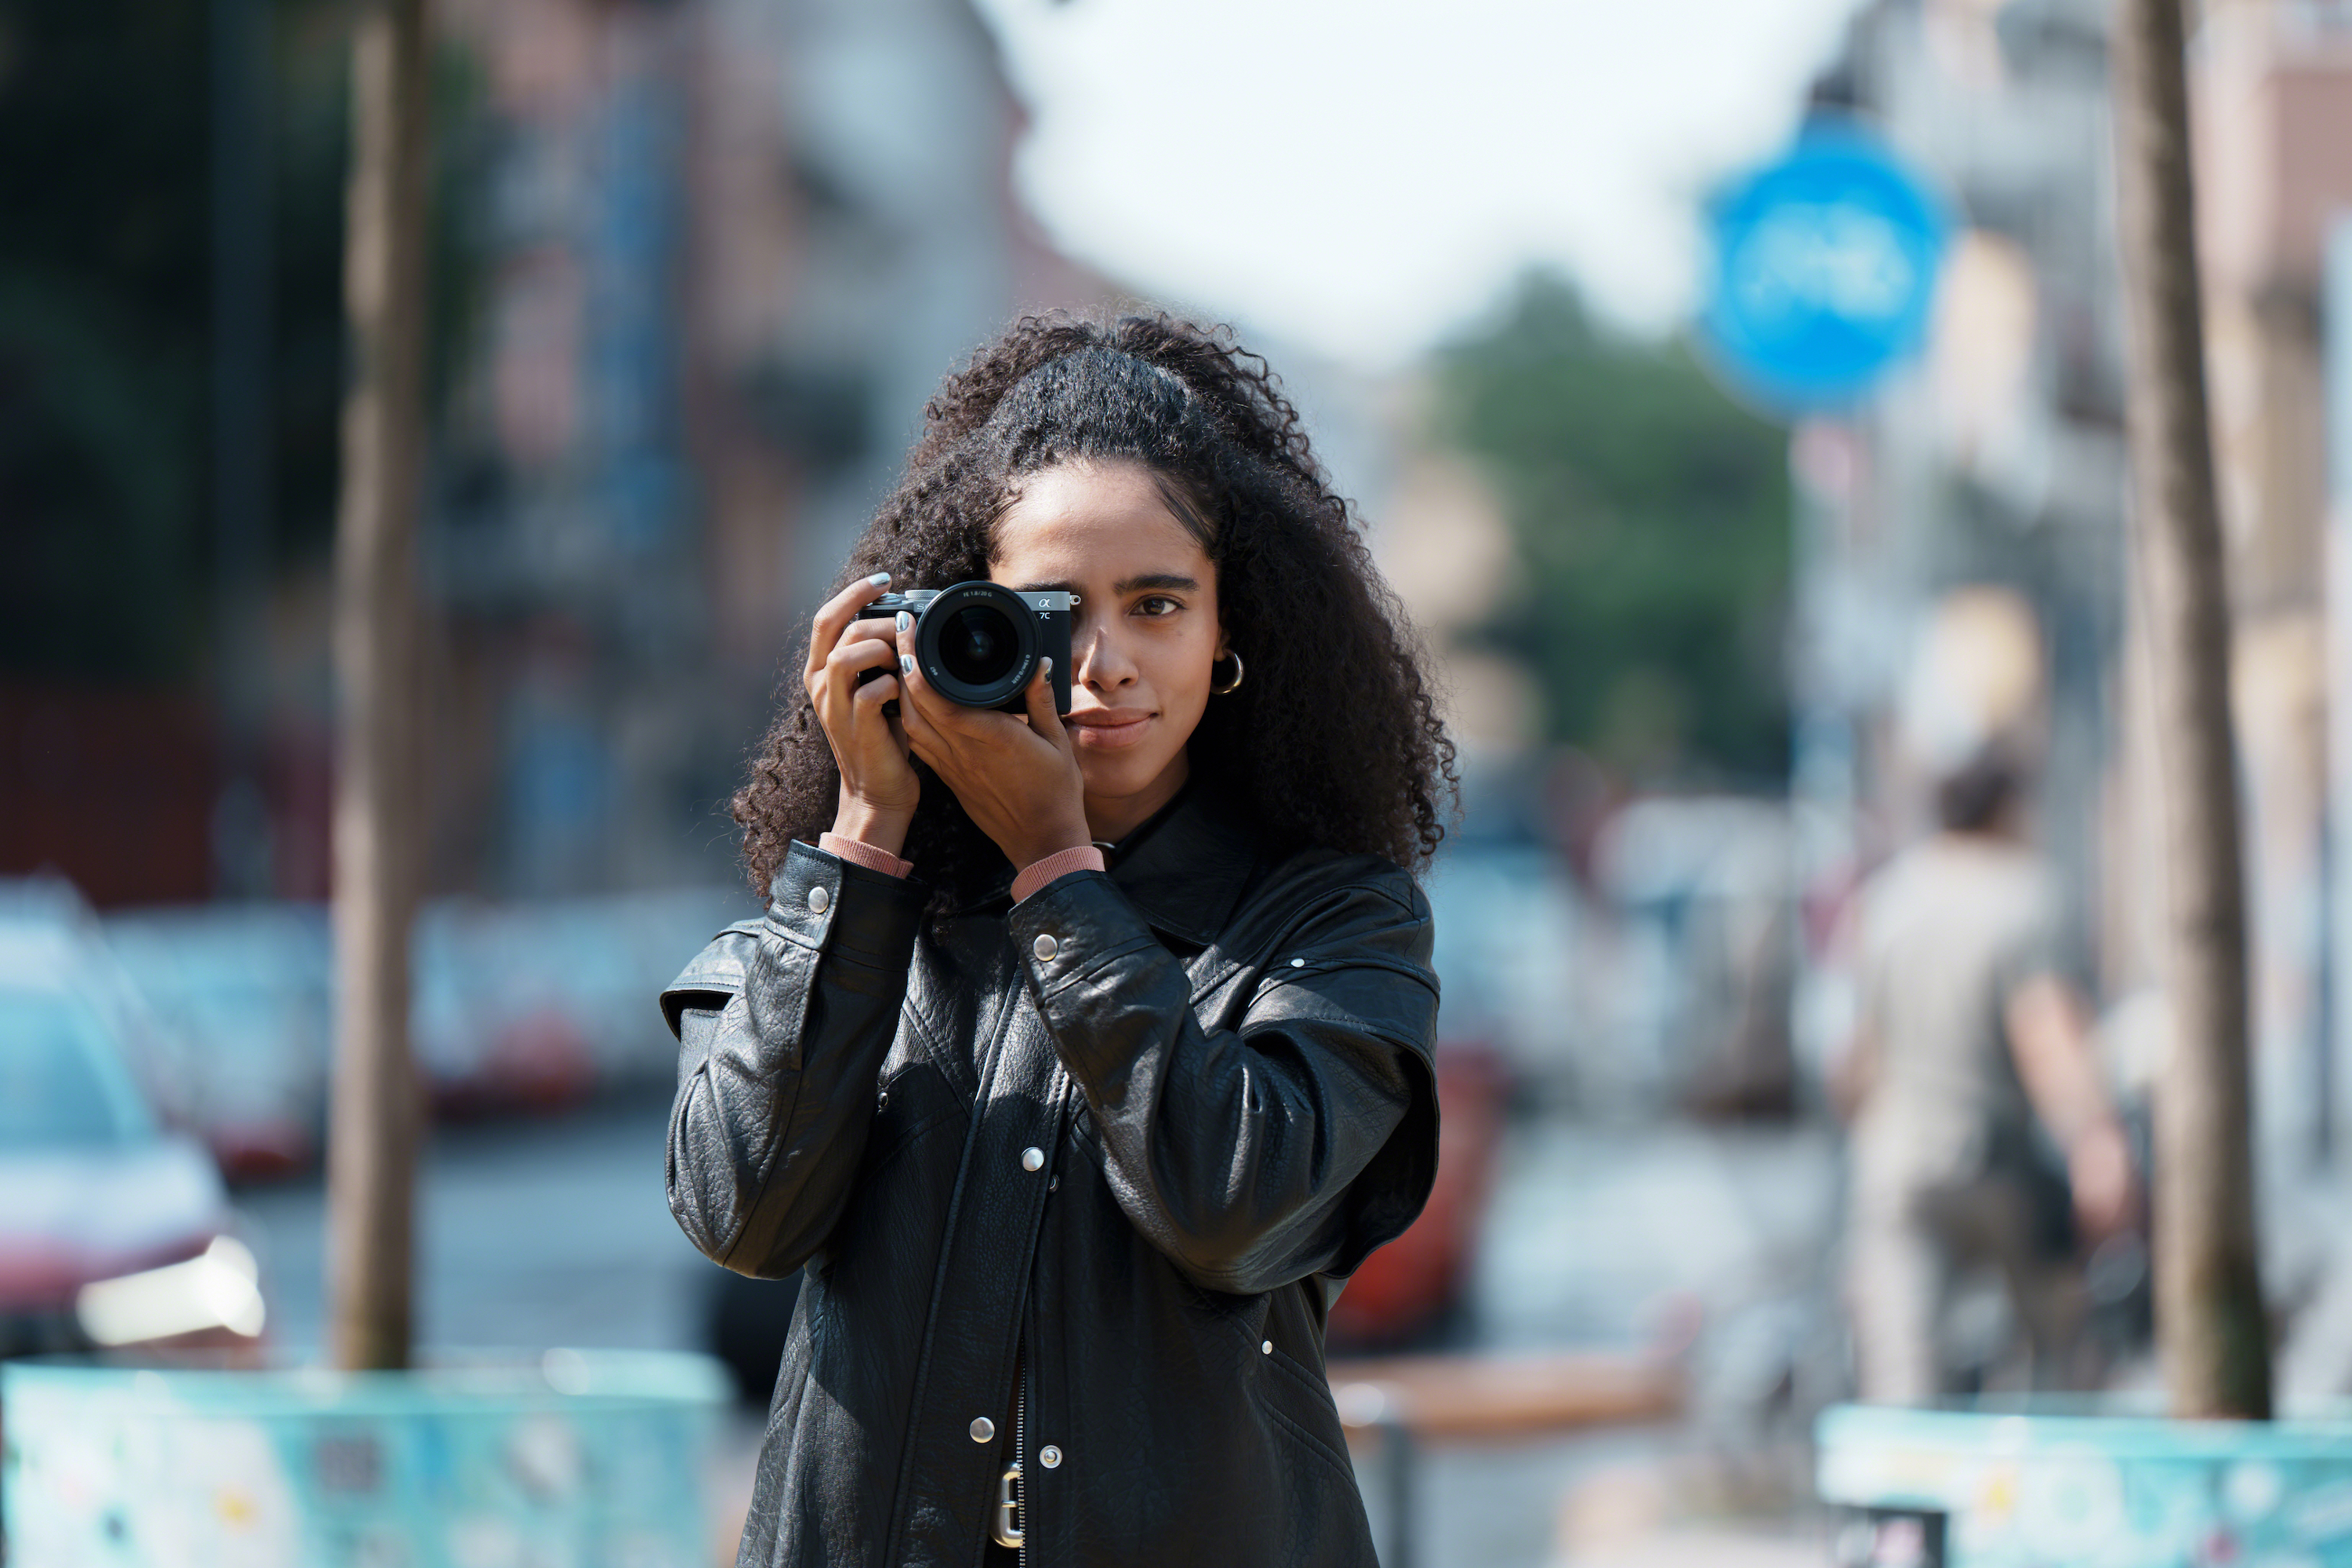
728 248
1997 465
703 261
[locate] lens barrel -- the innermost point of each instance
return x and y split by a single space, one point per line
978 644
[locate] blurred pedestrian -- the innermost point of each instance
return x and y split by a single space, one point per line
1971 1033
1077 1061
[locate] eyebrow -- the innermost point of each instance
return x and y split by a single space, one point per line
1175 580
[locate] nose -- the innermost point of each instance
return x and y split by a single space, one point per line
1104 665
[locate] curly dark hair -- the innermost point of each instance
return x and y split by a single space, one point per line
1333 740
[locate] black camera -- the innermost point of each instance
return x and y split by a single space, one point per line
979 642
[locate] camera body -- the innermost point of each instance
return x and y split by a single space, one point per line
979 642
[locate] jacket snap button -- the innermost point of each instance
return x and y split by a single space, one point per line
1050 1457
1045 947
1032 1159
1297 964
882 1100
982 1429
818 899
1266 1348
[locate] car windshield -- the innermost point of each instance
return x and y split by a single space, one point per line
60 1080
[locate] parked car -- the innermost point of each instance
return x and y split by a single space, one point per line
1406 1293
517 1007
1703 891
534 1006
243 987
114 1231
1513 952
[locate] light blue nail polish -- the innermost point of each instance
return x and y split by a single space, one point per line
905 620
880 579
1046 665
906 663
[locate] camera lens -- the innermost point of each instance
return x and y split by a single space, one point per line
978 644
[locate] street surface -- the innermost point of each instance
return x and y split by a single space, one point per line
540 1234
529 1235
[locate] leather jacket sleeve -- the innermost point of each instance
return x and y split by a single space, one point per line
783 1024
1290 1145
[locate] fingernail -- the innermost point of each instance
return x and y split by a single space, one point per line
880 579
906 663
1046 665
905 620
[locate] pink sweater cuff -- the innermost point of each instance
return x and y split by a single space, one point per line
1060 863
860 853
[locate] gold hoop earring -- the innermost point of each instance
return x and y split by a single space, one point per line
1230 686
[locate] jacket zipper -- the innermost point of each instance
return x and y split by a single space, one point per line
1021 1453
1012 1496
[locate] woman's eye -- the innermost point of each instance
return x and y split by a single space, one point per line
1157 605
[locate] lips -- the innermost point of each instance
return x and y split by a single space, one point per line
1110 727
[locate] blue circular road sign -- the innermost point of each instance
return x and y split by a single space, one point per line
1825 270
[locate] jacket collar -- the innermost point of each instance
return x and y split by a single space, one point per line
1184 871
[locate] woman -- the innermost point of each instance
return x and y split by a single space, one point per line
1078 1062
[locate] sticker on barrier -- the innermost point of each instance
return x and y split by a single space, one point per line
585 1459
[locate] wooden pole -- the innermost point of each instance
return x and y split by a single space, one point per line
372 1149
2209 1322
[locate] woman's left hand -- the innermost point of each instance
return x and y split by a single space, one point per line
1018 779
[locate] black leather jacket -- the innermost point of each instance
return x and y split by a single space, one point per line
1128 1136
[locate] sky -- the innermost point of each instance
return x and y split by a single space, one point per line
1366 176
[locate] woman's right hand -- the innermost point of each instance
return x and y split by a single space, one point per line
878 787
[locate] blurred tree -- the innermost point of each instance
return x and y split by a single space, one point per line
1651 515
106 525
372 1152
2211 1321
103 303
